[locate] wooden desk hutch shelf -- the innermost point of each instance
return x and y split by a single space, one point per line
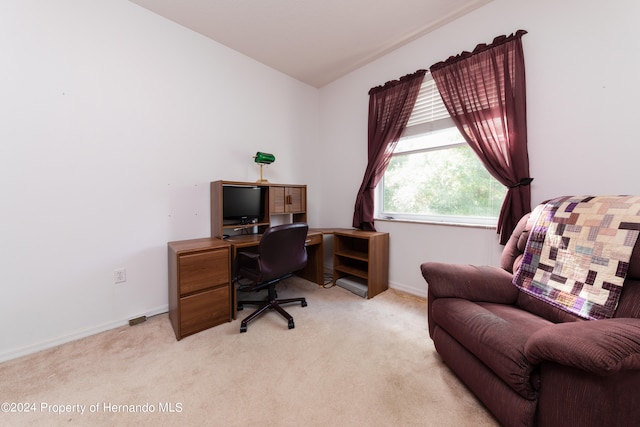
281 199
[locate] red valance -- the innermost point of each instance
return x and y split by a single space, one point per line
497 41
392 83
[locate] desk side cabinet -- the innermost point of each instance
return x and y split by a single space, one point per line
365 255
199 285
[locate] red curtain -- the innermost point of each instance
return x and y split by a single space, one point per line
390 107
484 92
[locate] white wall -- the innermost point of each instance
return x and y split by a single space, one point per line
113 123
582 67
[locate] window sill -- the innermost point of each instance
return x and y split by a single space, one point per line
444 223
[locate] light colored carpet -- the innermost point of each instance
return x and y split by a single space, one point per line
348 362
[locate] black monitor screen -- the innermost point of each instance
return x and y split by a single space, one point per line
242 204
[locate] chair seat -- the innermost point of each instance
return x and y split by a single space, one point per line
495 334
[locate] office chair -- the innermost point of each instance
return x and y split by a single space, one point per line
281 252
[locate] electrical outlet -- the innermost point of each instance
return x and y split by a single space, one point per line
119 275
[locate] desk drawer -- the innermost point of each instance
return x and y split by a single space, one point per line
204 310
202 270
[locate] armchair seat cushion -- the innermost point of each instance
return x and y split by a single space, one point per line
496 334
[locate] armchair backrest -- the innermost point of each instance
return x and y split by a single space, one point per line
514 248
512 254
282 250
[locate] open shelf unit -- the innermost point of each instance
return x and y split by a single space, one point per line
364 255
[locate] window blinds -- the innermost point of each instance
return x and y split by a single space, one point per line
429 114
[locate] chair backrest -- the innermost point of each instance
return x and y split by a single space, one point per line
282 250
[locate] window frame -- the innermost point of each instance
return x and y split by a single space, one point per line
429 115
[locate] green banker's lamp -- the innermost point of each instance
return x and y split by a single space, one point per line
263 159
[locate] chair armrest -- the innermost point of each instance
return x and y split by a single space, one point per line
473 283
247 260
602 347
249 255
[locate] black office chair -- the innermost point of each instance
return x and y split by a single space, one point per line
281 252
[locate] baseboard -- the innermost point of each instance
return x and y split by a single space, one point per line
44 345
400 287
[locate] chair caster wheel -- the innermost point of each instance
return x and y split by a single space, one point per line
243 328
291 324
304 303
240 307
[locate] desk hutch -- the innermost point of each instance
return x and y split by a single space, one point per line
280 199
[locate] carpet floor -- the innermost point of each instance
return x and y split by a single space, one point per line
348 362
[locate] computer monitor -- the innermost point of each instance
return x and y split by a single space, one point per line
242 204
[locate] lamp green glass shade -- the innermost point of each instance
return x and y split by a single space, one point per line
264 158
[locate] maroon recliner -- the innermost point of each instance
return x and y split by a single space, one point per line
530 363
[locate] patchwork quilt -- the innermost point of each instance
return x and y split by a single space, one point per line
578 253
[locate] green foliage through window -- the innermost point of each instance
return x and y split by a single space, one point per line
447 181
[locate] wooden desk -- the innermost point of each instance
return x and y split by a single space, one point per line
314 271
202 293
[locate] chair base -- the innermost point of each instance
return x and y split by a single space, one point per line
269 304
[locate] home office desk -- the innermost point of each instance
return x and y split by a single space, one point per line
202 293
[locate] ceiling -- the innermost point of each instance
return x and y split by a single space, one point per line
314 41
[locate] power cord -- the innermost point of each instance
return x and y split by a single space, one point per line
328 281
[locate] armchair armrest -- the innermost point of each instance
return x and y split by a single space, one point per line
473 283
602 347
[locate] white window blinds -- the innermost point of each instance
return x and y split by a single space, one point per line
429 114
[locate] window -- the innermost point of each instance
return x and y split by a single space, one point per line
434 176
